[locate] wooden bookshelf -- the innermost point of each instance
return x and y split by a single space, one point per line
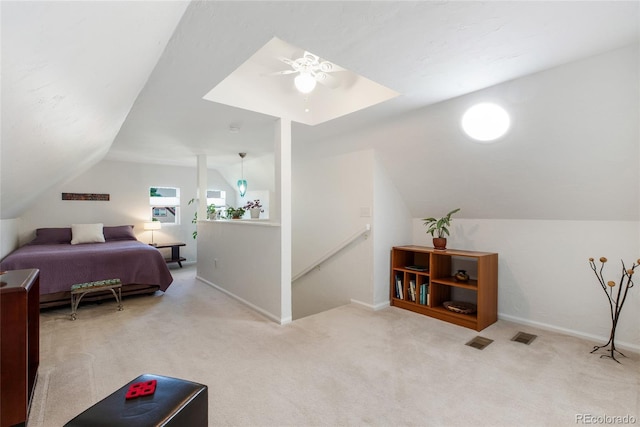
422 280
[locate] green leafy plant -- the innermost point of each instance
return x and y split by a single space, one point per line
211 210
439 227
235 213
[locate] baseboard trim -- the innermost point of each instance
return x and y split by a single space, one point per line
545 326
286 320
619 344
254 307
370 306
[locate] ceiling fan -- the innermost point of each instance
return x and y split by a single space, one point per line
310 69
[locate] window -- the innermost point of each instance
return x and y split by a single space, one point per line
216 197
165 204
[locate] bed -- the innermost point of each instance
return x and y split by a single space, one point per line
66 256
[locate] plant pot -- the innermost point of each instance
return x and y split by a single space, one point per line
440 243
255 213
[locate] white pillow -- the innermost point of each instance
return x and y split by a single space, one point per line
86 233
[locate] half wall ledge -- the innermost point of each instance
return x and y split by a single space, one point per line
259 222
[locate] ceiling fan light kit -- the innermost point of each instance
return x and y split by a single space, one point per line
311 70
310 91
305 83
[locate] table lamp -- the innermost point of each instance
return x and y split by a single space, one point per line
153 225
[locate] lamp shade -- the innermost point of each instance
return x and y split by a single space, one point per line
242 187
153 225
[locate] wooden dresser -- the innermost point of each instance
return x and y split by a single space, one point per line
20 343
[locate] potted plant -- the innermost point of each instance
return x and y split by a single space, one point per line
254 207
211 214
211 211
439 229
235 213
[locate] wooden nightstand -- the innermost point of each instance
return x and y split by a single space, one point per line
175 251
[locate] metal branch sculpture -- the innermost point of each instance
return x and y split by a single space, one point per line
615 302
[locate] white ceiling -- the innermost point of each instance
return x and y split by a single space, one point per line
427 51
258 85
85 79
70 73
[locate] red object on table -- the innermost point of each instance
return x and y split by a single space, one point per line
144 388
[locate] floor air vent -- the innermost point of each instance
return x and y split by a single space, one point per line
479 342
524 338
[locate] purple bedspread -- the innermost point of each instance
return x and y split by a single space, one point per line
62 265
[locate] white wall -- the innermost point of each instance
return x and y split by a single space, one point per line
544 278
242 259
250 260
391 227
328 195
562 187
9 241
572 151
128 186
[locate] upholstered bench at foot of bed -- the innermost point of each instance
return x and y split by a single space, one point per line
61 299
81 289
173 402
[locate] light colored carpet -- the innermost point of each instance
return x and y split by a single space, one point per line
344 367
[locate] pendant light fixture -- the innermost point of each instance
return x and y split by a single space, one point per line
242 183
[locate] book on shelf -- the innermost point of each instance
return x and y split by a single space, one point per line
412 290
424 294
398 286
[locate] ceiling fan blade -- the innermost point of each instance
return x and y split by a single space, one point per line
280 73
326 67
311 57
287 61
334 68
327 80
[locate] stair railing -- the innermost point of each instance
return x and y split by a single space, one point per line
331 253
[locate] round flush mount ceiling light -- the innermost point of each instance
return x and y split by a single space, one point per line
486 122
305 82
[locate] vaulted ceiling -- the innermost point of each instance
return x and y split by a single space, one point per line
83 81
